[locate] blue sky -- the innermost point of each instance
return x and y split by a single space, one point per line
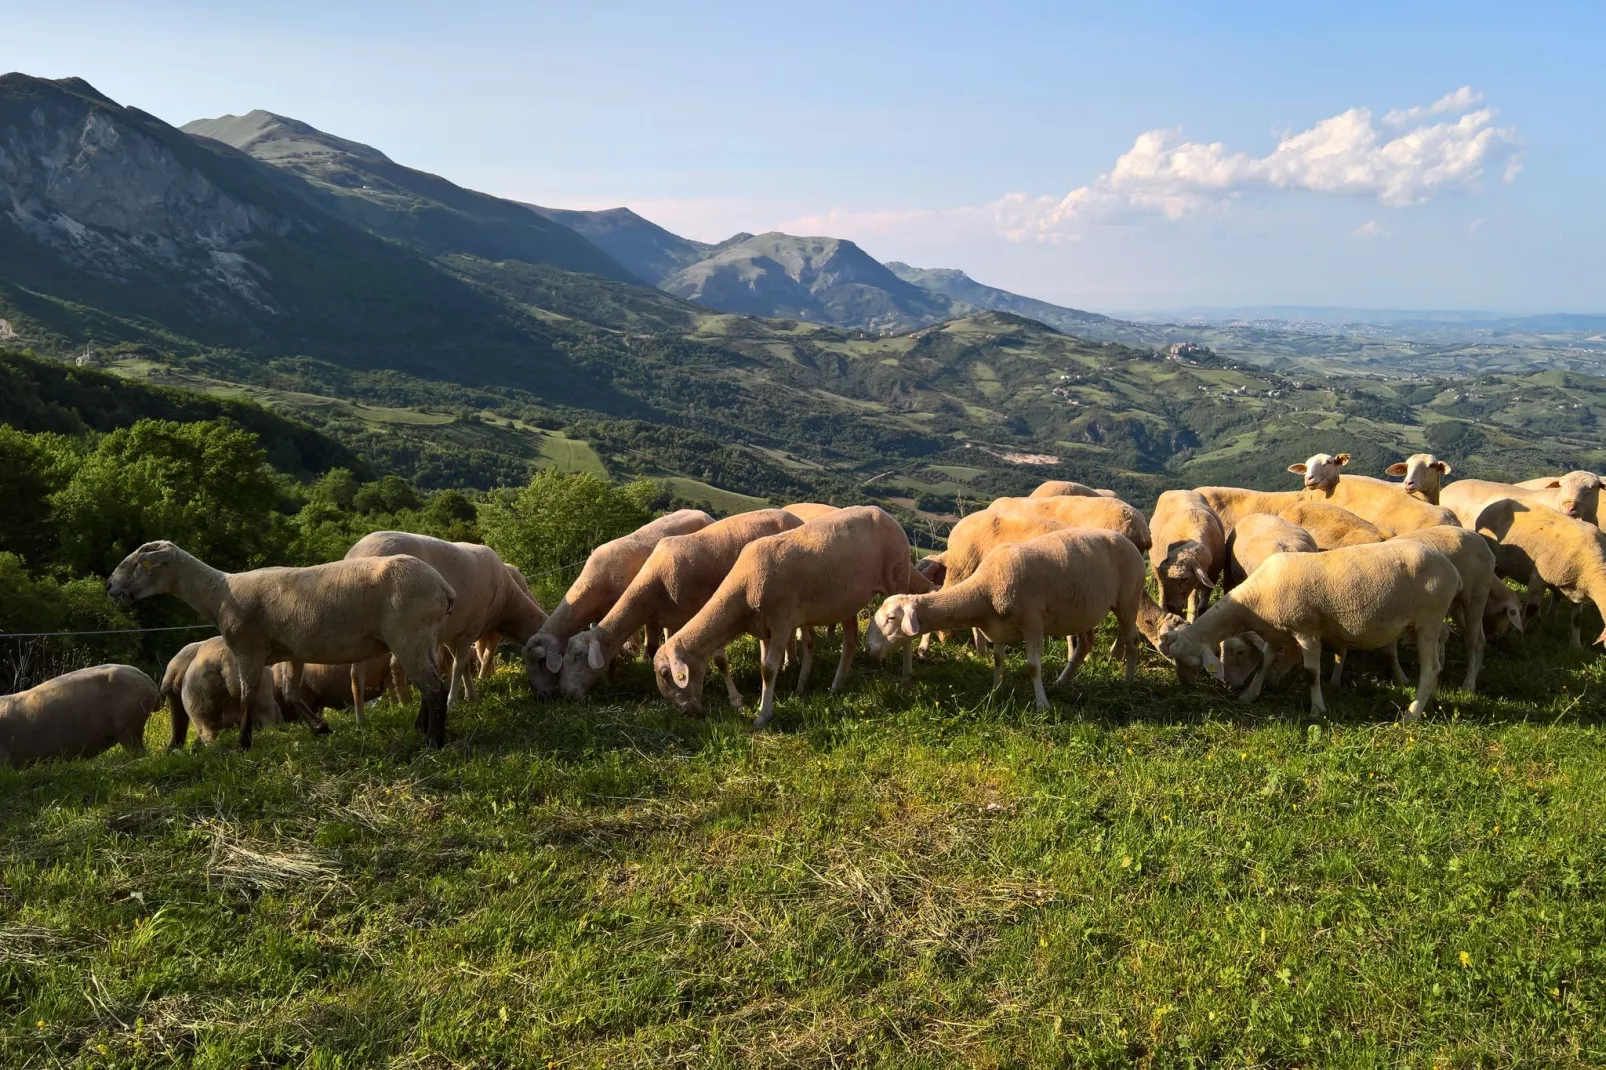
1105 156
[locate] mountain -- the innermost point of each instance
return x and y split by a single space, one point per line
822 280
420 209
650 252
956 285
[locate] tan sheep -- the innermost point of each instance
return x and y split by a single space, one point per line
1424 474
681 574
806 511
1331 526
607 572
1575 495
1474 560
202 688
344 611
1354 598
821 573
1503 611
78 715
489 599
335 687
1062 583
1386 505
1232 504
1189 550
974 537
1111 514
485 646
1255 538
1055 488
1540 546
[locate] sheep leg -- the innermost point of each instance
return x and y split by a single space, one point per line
771 655
1252 692
1338 667
731 692
805 659
1575 633
180 724
979 640
1034 667
1130 640
998 665
1476 642
908 672
850 644
1395 671
1427 648
298 702
418 660
458 681
1196 603
1310 646
925 644
359 686
1076 648
248 664
399 688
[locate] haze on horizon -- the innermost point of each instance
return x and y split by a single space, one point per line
1445 157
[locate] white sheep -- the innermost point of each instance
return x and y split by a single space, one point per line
680 575
1111 514
607 572
344 611
1356 597
1424 475
821 573
78 715
202 688
1330 526
1541 547
1473 558
1189 550
1386 505
1575 495
1062 583
1255 538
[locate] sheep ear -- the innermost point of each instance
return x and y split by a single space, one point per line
1199 574
679 671
910 623
1297 469
554 658
1602 639
1553 484
1341 459
1395 469
594 656
1441 467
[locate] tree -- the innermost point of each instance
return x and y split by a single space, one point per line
549 526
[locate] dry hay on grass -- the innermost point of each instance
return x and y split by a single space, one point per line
258 866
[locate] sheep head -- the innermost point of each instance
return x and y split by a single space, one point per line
583 662
543 661
1424 475
1580 493
680 680
1321 470
891 625
1191 654
146 571
1180 574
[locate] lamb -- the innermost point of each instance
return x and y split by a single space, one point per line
78 715
1575 495
1055 488
1232 504
823 572
335 687
1111 514
1424 474
1474 560
607 572
1384 504
1189 550
1062 583
488 598
202 688
1331 526
1355 597
343 611
1255 538
806 511
680 575
1542 547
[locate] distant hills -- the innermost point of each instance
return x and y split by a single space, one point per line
650 252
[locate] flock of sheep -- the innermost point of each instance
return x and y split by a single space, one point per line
1347 562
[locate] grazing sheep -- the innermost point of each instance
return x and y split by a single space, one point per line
823 572
335 687
1232 504
1575 495
202 688
607 572
1386 505
1474 560
1189 551
1423 472
1331 526
934 567
1255 538
485 646
1356 597
806 511
78 715
489 599
1111 514
1062 583
1503 611
1155 622
974 537
1540 547
680 575
1055 488
343 611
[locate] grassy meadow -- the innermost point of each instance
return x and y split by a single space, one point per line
927 876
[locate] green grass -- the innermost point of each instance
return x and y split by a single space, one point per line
926 876
726 501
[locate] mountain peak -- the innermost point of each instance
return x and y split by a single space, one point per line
264 133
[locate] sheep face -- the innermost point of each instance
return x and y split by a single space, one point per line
679 680
144 572
1179 576
891 626
543 661
1580 493
1424 475
933 568
1191 655
1239 661
1321 470
1501 615
583 662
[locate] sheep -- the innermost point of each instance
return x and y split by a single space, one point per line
1331 526
78 715
1232 504
1189 550
202 688
1112 514
488 598
1503 611
485 646
1055 488
1543 547
1062 583
825 571
607 572
1255 538
974 537
1424 474
335 687
1378 501
806 511
1474 560
934 567
1575 495
1355 597
680 575
343 611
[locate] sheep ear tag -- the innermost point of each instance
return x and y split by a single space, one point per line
594 655
146 564
681 674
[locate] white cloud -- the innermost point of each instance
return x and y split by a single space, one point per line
1370 229
1463 99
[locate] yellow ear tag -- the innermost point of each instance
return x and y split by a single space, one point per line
146 565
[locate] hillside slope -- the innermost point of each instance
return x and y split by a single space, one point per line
647 250
961 288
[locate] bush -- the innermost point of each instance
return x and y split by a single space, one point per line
549 527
